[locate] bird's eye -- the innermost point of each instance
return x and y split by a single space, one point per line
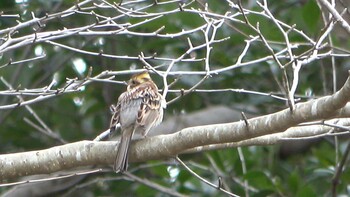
133 82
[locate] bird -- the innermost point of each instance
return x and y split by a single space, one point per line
139 109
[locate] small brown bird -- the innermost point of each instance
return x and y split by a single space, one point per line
138 109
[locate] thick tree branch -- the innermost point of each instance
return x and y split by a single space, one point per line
164 146
336 15
294 133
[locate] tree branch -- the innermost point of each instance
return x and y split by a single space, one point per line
86 153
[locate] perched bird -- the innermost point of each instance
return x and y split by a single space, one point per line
138 109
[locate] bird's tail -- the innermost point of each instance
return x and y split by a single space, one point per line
121 161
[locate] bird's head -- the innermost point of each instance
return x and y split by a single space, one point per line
138 79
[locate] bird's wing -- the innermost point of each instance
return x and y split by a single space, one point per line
151 111
115 117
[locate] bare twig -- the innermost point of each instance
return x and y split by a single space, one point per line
339 170
153 185
202 179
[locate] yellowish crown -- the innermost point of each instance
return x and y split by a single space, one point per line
139 78
144 76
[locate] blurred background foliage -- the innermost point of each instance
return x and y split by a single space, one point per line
83 115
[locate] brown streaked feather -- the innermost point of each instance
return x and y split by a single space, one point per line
151 113
115 117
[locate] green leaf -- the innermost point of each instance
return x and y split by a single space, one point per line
259 180
306 191
294 181
311 14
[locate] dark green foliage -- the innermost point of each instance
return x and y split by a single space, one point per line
84 114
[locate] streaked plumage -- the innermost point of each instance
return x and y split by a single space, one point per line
138 109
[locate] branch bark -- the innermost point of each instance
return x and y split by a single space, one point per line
86 153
